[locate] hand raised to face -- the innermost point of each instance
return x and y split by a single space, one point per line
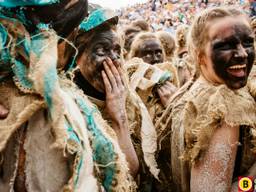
104 44
165 92
116 91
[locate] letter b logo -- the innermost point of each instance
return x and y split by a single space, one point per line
245 184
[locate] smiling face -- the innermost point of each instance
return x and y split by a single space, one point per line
229 52
103 44
150 51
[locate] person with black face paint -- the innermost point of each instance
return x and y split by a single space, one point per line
101 76
148 47
213 121
156 94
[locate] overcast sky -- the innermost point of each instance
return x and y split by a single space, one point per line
116 4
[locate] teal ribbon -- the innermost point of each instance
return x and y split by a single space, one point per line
103 150
96 18
21 3
73 137
166 76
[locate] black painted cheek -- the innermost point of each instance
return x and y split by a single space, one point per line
161 59
219 63
156 59
94 66
96 79
251 58
141 54
147 60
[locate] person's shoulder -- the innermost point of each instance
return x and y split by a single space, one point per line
222 104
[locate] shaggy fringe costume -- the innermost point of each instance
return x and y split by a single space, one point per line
111 168
145 78
195 114
143 133
73 143
181 39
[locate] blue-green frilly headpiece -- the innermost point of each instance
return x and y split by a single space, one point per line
98 18
16 43
20 49
21 3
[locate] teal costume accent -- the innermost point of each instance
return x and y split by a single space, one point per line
166 76
33 44
103 151
50 78
21 72
97 18
20 51
76 142
5 66
9 64
20 3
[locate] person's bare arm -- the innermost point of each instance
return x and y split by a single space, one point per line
215 171
116 94
3 112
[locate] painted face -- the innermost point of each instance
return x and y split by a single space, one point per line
230 51
103 44
151 52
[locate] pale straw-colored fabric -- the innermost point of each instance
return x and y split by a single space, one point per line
141 128
144 78
197 115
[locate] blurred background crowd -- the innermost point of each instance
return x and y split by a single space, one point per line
168 14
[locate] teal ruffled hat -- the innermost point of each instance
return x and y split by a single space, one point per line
21 3
99 17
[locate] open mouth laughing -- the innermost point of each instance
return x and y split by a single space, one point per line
237 70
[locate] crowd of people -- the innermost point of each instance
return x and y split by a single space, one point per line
167 15
160 98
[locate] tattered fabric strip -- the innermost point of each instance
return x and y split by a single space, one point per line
74 146
33 59
103 150
207 108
